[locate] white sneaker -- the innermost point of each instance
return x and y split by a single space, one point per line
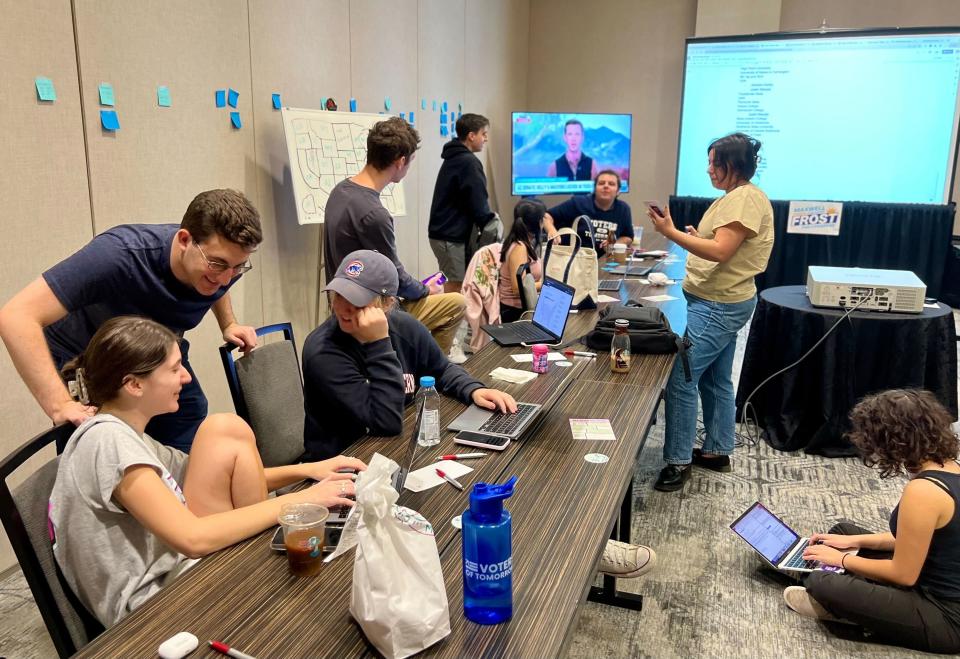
456 355
799 600
625 561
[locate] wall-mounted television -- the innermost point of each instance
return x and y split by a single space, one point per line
561 152
843 116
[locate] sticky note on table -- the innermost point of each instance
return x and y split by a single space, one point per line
387 103
45 89
235 120
276 101
221 97
592 429
109 120
353 105
163 97
232 96
106 94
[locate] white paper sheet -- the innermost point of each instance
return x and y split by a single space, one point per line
426 477
659 298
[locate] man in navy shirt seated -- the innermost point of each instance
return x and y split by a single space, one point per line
610 218
362 366
171 274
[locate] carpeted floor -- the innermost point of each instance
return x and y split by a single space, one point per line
709 596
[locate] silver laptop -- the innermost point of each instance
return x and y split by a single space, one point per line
400 475
489 422
778 545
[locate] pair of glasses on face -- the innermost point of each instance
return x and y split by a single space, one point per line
220 267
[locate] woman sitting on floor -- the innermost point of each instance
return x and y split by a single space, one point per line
903 586
123 527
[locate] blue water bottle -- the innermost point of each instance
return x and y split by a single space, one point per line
488 555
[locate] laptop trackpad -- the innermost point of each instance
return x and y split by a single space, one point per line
471 419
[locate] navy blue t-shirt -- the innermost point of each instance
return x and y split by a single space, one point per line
617 220
123 271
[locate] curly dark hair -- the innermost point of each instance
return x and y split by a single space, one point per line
900 429
389 140
225 212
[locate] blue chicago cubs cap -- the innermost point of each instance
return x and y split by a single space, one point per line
363 275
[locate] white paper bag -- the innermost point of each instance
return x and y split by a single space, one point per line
399 598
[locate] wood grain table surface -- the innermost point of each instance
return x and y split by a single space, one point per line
563 511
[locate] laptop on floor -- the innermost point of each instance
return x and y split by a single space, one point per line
778 545
549 318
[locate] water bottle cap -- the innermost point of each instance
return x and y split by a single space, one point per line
540 348
427 381
487 500
621 323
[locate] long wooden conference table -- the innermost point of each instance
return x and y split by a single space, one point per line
564 509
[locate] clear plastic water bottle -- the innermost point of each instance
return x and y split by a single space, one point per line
430 422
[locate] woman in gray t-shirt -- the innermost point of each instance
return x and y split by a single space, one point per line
127 512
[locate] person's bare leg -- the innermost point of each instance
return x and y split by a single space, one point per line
224 471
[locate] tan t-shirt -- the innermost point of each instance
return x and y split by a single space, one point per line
733 281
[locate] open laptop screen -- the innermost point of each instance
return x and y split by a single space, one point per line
400 475
765 532
553 306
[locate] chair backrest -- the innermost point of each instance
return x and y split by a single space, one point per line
25 518
527 286
267 390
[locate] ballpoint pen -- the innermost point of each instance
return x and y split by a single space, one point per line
453 481
461 456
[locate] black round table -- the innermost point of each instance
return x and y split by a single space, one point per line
808 406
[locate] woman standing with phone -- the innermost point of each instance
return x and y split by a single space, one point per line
731 245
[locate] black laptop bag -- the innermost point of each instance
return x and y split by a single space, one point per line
649 331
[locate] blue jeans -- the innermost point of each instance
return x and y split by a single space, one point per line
712 329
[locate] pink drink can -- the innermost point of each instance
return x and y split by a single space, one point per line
540 361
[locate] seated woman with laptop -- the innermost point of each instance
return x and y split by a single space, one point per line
521 246
127 514
904 585
363 365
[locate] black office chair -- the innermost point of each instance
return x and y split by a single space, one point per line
267 390
24 514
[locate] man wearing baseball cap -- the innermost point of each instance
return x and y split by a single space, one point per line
362 365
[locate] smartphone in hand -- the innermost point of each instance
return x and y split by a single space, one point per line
656 207
437 278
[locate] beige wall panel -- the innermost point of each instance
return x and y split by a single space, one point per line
497 33
808 14
161 158
441 77
46 205
383 63
616 56
300 50
721 17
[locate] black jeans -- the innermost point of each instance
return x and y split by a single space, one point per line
897 616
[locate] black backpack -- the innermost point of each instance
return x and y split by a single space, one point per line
649 332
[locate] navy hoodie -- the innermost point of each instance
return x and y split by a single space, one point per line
352 389
460 195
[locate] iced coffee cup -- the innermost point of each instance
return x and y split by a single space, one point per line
303 525
620 253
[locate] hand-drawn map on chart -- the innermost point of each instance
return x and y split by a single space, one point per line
324 148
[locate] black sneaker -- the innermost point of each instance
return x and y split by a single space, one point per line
719 463
672 478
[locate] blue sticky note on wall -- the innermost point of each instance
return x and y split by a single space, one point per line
163 97
443 117
411 117
434 106
235 120
106 94
109 120
459 108
423 104
45 89
443 108
353 105
221 98
403 115
387 103
276 101
232 97
443 130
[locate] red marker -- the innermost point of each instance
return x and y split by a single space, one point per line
461 456
453 481
229 651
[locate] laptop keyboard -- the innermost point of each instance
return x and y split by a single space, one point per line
506 424
796 561
527 331
609 285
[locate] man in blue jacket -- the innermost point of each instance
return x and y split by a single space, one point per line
460 203
362 366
